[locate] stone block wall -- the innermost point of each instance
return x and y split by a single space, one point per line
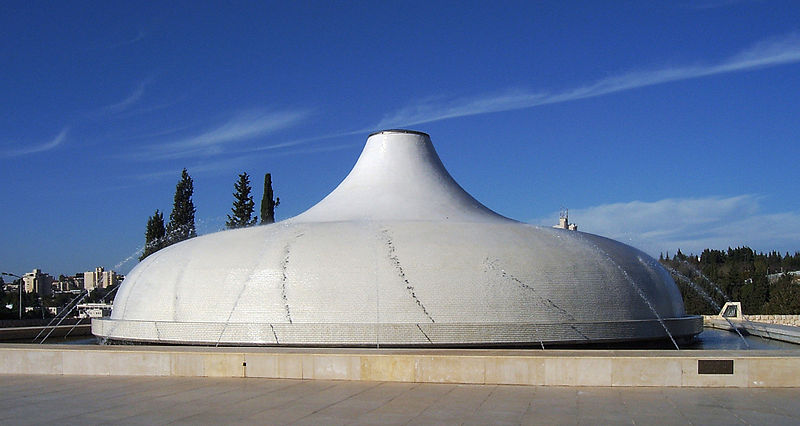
793 320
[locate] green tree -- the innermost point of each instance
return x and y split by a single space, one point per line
243 205
784 297
154 236
181 220
739 274
267 203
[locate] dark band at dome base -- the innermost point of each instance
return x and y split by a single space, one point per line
430 334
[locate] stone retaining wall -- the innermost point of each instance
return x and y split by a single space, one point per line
520 367
793 320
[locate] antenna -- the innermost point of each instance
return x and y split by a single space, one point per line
563 220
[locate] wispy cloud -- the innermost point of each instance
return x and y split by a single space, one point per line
126 103
785 50
146 109
195 168
303 141
239 162
316 149
243 126
33 149
141 34
690 224
709 4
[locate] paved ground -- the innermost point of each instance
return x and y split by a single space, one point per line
154 400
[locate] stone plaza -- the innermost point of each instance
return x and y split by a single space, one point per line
35 399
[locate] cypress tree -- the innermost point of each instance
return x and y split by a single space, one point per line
154 236
267 203
243 205
181 220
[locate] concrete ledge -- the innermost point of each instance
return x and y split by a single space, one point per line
479 366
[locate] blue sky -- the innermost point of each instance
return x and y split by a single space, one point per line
664 124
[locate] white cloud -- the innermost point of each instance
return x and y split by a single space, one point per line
316 149
243 126
708 4
768 53
47 146
141 34
128 101
690 224
238 162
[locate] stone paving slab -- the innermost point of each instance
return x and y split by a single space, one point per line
34 399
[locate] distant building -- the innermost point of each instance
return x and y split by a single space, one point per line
94 310
99 278
771 278
38 282
11 287
67 284
78 279
563 221
61 286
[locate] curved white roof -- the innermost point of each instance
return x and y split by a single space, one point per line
398 176
397 254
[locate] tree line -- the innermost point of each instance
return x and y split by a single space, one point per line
759 280
181 225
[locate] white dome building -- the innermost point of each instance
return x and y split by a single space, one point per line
398 254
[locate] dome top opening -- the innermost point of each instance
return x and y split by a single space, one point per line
410 132
399 176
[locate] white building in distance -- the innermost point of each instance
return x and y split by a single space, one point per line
38 282
563 221
99 278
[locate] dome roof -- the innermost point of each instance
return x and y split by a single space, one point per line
397 254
